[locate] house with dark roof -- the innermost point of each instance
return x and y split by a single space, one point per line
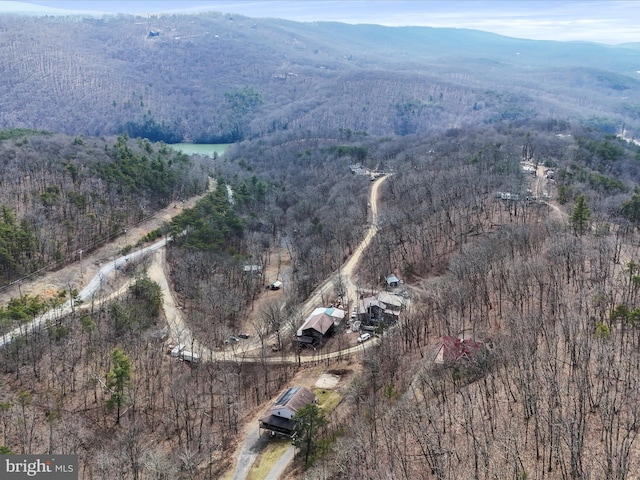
279 417
319 326
382 307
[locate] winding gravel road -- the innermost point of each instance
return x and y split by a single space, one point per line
85 294
180 331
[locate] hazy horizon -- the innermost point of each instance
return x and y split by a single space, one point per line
610 22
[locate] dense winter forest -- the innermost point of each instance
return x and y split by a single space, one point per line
540 264
222 78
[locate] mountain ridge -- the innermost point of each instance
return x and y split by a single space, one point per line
178 76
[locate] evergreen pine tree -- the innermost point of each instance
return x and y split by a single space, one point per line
580 216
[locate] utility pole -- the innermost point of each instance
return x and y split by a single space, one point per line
80 252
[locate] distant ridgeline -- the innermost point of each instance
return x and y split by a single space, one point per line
213 78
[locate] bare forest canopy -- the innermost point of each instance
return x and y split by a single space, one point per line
543 269
559 305
214 78
63 196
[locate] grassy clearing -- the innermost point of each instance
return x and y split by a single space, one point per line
327 399
268 457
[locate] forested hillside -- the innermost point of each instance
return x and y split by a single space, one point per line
510 208
63 196
222 78
555 396
552 292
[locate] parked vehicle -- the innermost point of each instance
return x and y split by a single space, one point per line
364 337
231 339
190 357
243 335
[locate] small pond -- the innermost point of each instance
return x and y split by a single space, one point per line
200 148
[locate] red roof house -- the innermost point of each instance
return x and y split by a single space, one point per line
455 349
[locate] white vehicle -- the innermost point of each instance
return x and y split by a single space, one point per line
364 337
177 350
190 357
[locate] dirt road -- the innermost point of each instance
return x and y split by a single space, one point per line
542 187
249 351
252 442
350 265
92 267
78 274
320 294
347 270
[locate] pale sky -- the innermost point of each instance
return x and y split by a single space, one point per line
603 21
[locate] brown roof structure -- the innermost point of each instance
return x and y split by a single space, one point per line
321 320
320 323
279 417
295 398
